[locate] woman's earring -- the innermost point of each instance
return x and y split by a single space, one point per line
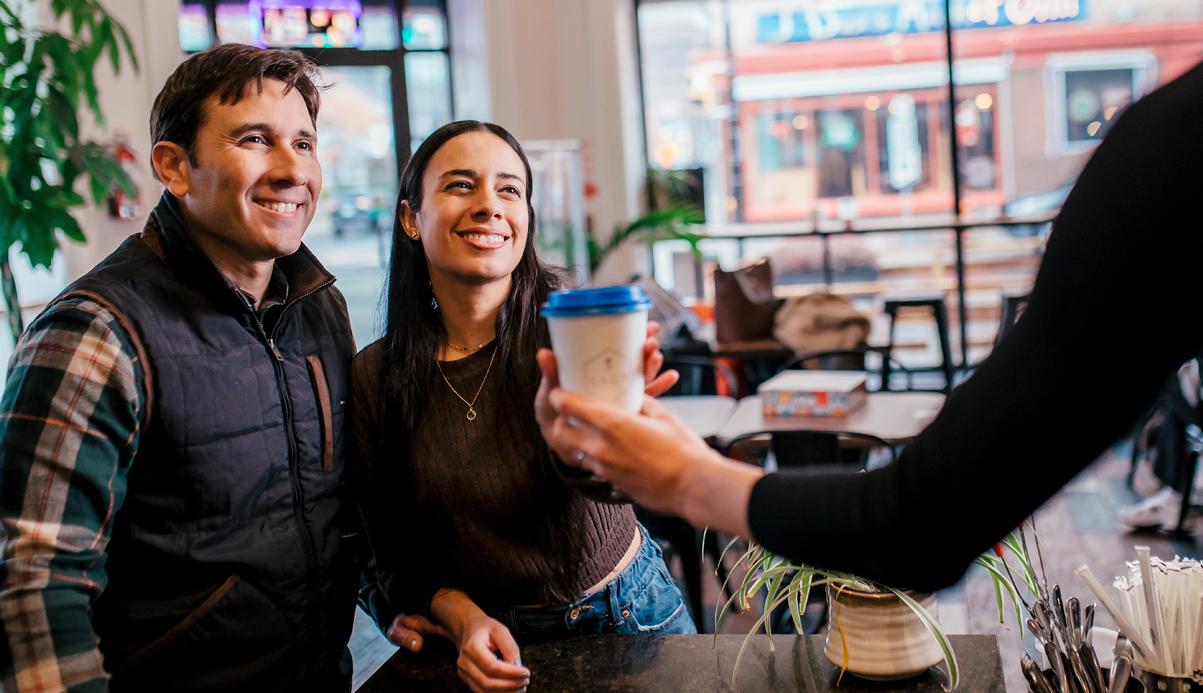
434 302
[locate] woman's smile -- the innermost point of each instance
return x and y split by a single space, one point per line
483 238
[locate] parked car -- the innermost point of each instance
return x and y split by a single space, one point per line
357 210
1036 204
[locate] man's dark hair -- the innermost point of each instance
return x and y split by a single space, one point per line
227 72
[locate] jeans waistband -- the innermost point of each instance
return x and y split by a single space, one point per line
611 598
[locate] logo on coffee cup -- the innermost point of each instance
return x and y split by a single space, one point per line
606 375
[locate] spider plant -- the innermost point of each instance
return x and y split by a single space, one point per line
1007 581
787 583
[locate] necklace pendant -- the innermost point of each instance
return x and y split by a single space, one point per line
471 414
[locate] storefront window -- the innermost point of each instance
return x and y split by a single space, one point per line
834 110
428 81
840 153
424 27
194 28
388 69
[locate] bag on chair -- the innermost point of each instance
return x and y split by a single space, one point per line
820 322
744 303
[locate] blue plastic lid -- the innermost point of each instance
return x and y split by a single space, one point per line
608 299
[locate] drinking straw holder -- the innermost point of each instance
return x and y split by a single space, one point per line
1160 610
1157 683
1135 685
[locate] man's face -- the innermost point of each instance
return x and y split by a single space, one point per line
254 188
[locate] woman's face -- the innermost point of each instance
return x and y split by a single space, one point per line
473 218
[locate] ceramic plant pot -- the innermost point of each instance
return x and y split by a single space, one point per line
885 639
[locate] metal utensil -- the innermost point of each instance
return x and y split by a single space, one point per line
1087 622
1057 665
1121 645
1035 677
1090 662
1059 608
1121 671
1043 615
1080 678
1041 632
1075 622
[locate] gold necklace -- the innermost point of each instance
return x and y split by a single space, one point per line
470 350
471 416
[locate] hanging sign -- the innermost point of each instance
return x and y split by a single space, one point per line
306 23
902 143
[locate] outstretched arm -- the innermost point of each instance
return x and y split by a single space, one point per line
1112 314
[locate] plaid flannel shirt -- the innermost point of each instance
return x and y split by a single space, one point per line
69 424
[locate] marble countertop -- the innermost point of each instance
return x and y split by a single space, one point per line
669 663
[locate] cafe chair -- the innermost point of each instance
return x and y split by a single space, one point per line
700 375
940 314
1009 311
854 360
808 452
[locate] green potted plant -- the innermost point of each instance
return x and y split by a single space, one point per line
46 77
875 631
676 221
669 216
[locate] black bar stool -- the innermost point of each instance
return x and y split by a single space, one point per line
1012 305
936 305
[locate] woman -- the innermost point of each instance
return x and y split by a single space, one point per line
462 498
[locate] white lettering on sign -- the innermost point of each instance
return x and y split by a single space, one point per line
1020 12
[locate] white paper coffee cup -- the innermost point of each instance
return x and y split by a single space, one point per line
598 336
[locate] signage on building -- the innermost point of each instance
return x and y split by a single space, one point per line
911 17
903 154
307 23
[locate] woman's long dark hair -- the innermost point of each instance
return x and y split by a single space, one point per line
414 330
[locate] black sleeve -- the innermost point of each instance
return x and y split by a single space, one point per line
1115 310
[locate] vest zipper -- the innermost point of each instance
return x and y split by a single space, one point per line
294 463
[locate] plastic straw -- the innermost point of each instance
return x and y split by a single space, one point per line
1125 626
1154 607
1196 658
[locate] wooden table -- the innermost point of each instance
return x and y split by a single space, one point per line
695 663
896 417
704 414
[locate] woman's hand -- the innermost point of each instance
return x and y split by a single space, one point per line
655 383
654 457
489 660
407 631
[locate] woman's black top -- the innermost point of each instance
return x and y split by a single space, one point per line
1115 309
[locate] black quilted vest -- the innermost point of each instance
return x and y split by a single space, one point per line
227 568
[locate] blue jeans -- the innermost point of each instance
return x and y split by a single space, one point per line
642 599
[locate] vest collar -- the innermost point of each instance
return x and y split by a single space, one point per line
168 236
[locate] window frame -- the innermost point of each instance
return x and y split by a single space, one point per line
1143 64
394 59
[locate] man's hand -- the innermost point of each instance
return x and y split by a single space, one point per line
655 383
654 458
409 631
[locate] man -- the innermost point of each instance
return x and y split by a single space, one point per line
172 509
